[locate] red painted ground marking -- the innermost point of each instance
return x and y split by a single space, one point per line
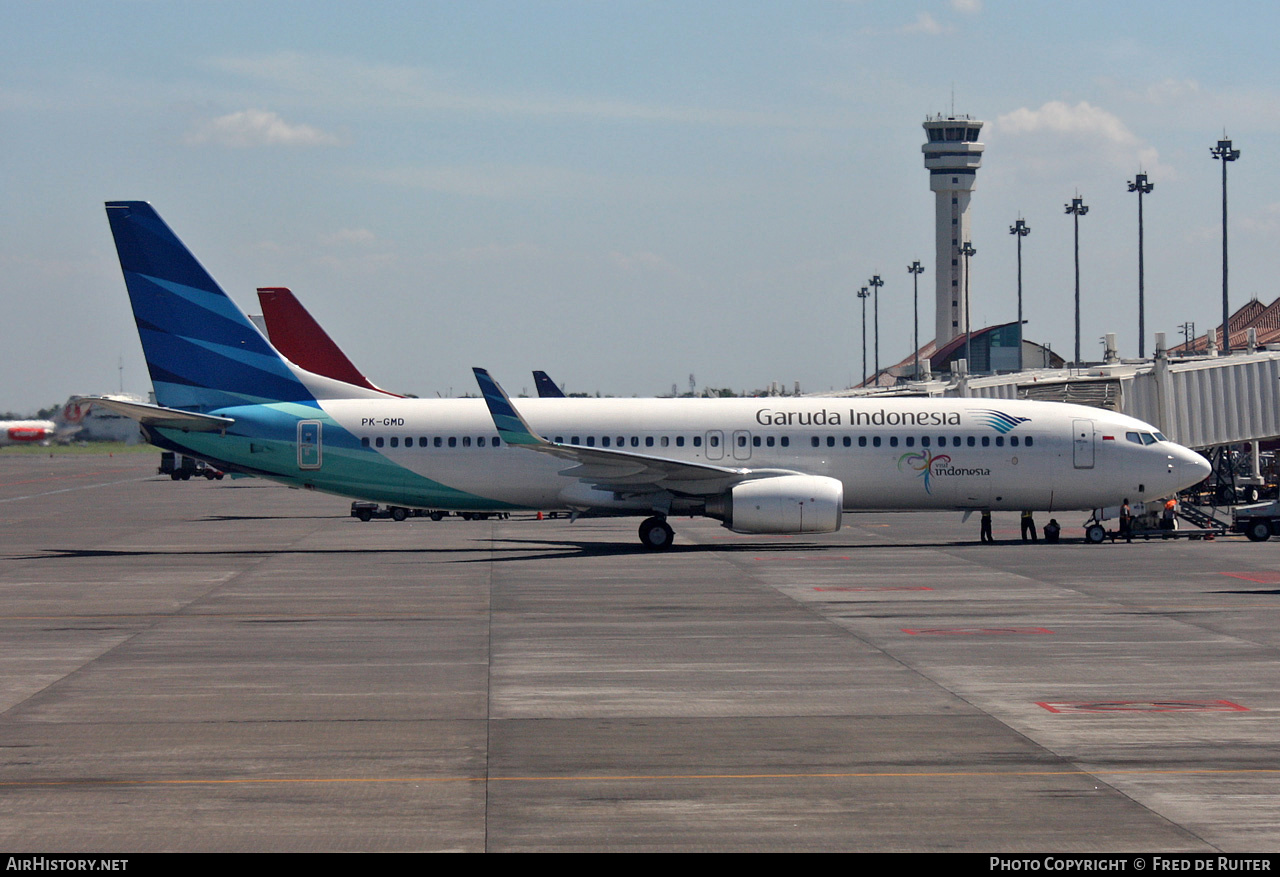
805 557
1261 578
976 631
917 588
1143 706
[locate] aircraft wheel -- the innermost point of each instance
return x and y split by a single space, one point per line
656 534
1259 531
399 514
1095 534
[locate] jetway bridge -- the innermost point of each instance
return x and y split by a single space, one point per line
1201 403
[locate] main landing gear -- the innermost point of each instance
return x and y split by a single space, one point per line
656 534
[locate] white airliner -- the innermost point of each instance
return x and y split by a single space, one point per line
758 465
41 432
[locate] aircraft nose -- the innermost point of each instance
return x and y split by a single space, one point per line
1190 467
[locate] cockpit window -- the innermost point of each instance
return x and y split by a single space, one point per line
1133 437
1160 438
1148 439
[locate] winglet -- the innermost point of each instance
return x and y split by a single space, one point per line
511 426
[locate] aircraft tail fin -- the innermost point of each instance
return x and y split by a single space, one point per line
202 351
547 388
296 334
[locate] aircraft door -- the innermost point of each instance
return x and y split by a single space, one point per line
1082 443
741 445
715 444
310 452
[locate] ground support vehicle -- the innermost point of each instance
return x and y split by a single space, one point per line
1259 521
180 467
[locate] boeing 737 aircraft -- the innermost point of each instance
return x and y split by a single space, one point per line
41 432
758 465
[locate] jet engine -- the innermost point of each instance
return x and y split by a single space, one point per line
785 504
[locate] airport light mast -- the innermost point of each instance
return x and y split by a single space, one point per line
1077 209
862 294
915 269
875 282
1021 229
952 155
1224 153
967 251
1140 185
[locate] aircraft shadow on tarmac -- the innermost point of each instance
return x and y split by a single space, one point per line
502 550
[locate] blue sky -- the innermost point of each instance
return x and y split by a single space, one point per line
621 193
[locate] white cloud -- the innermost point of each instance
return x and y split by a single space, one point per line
249 128
924 23
1080 128
1057 117
968 7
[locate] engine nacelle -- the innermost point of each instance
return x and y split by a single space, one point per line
785 504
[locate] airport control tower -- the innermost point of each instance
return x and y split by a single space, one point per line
952 155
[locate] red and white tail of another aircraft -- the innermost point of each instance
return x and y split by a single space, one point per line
38 432
301 340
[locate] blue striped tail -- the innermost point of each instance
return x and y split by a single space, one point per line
202 351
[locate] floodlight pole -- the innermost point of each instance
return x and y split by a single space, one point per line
1021 229
1077 209
1140 185
967 250
915 269
862 294
876 283
1224 153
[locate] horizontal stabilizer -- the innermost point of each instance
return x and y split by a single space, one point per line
156 415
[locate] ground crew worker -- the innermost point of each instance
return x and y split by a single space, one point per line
985 531
1126 521
1028 526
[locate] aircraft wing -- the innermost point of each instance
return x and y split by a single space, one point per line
610 469
156 415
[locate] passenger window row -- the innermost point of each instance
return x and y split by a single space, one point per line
452 441
768 441
926 441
